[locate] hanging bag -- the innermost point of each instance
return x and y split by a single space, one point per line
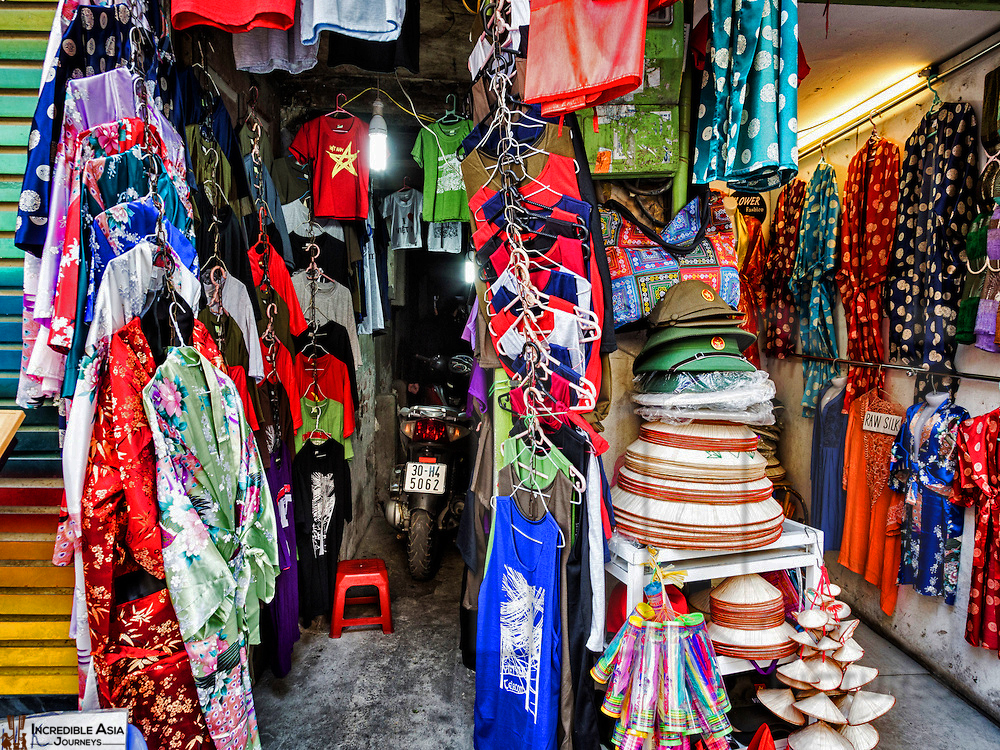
698 243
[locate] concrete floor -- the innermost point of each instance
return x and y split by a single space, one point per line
410 689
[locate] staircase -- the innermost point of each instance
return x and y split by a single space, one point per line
37 656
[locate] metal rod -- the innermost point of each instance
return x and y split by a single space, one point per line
908 369
860 120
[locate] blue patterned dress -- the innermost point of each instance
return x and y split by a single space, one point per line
813 282
747 118
930 525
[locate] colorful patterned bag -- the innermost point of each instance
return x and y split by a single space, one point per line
697 244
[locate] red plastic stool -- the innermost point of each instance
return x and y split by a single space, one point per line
351 573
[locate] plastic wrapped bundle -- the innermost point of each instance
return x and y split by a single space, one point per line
743 397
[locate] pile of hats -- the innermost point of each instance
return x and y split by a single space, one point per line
825 683
696 486
748 620
769 436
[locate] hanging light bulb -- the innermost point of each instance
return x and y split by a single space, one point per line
378 139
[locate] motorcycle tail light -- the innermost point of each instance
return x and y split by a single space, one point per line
456 432
407 428
429 430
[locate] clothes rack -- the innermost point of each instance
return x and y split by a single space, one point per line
908 369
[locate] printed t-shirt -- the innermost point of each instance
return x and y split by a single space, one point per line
444 194
325 415
404 210
337 148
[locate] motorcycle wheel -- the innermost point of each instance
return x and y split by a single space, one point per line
420 546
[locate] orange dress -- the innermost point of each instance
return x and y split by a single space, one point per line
870 545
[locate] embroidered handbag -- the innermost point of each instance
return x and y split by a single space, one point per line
698 243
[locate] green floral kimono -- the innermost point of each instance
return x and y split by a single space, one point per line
220 549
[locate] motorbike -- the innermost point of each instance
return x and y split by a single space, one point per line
428 490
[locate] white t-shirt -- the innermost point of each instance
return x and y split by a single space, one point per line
404 211
444 237
372 20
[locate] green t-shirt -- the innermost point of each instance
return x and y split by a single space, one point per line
444 189
331 421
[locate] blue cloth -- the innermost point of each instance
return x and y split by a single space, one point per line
931 531
747 119
826 475
95 41
813 281
134 739
519 634
127 224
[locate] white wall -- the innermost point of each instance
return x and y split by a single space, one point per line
924 626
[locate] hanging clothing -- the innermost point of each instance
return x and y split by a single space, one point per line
750 251
871 197
264 50
923 469
378 22
936 208
812 282
519 631
972 292
282 613
979 488
404 210
747 121
436 152
381 56
232 17
337 150
332 303
321 484
870 545
324 415
220 549
827 469
989 303
778 303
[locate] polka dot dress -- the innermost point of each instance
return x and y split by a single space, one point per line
871 196
937 204
812 281
747 115
779 306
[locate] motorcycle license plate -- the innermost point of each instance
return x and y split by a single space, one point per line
427 478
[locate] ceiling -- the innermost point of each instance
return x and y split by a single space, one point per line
870 48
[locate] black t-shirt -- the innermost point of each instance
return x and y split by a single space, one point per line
321 487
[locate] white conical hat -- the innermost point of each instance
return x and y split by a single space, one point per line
820 706
844 703
804 638
867 707
845 630
818 736
850 652
745 589
856 676
827 644
799 671
840 610
812 618
828 674
863 736
779 703
795 684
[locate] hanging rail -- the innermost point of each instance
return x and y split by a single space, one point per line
908 369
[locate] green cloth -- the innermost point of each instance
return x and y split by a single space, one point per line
331 421
444 188
968 306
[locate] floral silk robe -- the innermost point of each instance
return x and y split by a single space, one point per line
220 549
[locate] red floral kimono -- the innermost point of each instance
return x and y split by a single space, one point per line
978 485
871 195
779 306
139 658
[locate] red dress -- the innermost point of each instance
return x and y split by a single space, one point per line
871 194
979 486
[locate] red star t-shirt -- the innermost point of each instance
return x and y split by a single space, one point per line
337 149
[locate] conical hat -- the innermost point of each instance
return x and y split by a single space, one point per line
863 736
867 707
701 601
800 671
856 676
760 644
827 672
818 736
650 483
840 610
779 703
845 630
844 703
794 684
812 618
827 644
849 652
709 436
745 589
820 707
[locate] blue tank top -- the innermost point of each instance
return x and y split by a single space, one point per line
518 638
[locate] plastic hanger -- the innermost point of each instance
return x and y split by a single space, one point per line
339 113
451 115
406 184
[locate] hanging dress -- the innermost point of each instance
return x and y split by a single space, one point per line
930 526
937 203
519 632
979 487
747 118
779 306
812 282
871 197
827 470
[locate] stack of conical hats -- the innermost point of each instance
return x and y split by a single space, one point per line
696 486
826 683
748 620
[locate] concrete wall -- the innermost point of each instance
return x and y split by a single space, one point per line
923 626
